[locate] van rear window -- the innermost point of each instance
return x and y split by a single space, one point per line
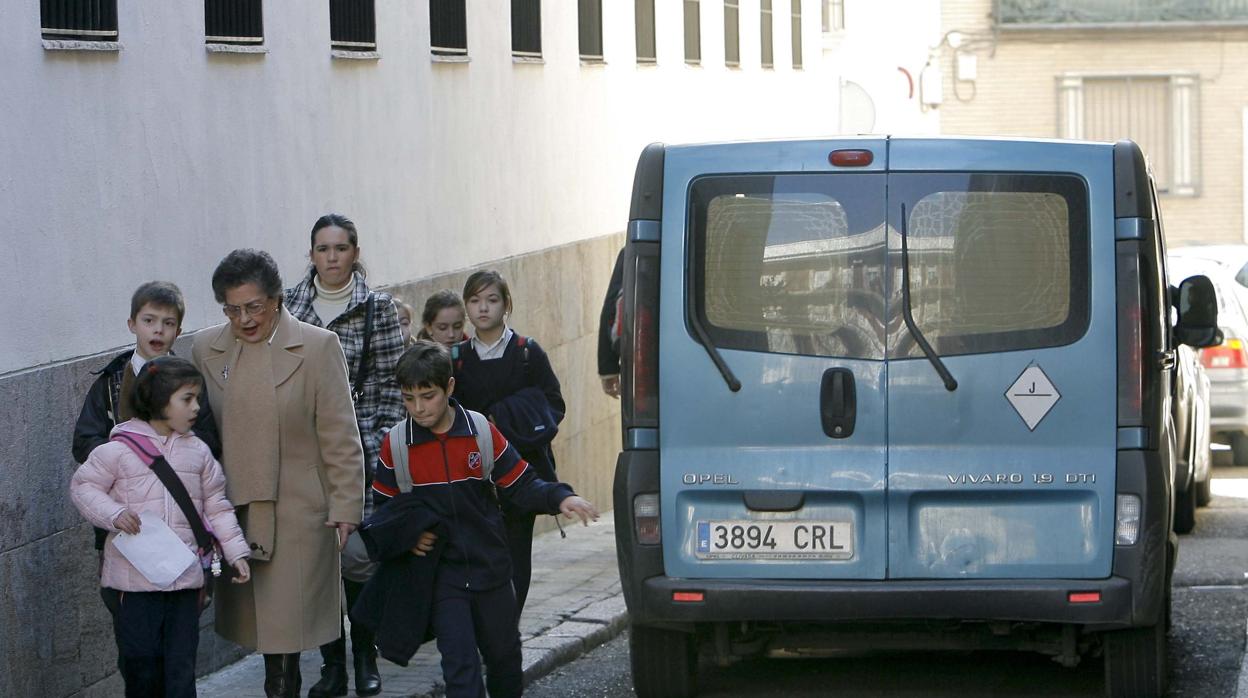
800 263
997 262
791 264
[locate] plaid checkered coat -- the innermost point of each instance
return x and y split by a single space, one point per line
380 406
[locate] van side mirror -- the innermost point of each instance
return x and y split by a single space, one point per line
1197 303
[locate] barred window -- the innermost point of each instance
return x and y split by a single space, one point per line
766 33
797 33
1159 112
526 28
233 22
448 27
353 25
732 33
84 20
693 31
589 18
643 11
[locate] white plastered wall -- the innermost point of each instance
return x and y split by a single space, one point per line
154 161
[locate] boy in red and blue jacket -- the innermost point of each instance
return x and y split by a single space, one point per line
474 605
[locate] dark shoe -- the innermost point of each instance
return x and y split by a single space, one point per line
333 681
367 677
281 675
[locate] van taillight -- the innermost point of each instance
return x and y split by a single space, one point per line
1130 336
640 350
1229 354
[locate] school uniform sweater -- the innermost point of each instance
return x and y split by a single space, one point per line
480 385
476 555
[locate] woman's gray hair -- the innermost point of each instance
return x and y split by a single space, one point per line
246 266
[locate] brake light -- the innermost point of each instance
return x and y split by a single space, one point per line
851 158
1229 354
640 372
1130 336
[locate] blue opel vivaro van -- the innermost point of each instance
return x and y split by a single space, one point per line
890 392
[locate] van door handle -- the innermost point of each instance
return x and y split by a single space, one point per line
1167 359
838 400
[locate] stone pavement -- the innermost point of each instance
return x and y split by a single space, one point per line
574 604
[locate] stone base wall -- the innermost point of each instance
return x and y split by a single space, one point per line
56 637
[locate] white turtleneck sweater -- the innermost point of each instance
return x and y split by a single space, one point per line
330 304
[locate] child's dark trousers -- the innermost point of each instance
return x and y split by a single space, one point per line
157 637
466 620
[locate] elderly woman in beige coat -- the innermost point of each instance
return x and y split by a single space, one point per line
293 464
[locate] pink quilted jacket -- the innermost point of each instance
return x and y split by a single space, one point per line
114 479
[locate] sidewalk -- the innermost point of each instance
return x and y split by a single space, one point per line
574 604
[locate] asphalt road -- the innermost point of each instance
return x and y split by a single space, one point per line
1206 641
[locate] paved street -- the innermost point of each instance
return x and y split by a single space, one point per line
1206 644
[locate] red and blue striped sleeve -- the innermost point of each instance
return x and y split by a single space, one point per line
384 484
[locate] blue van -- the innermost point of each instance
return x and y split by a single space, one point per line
892 391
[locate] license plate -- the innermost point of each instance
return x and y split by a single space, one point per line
775 540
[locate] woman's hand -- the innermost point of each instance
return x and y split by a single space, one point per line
344 530
578 507
242 571
128 522
425 545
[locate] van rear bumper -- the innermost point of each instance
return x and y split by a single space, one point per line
1030 600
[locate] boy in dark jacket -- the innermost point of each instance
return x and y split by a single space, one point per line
474 606
156 311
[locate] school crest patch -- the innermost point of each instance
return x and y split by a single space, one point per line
474 460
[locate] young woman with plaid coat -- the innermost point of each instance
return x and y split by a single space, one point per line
334 295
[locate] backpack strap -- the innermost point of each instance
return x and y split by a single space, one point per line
171 481
398 454
357 391
485 441
523 343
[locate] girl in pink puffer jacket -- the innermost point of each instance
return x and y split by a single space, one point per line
157 628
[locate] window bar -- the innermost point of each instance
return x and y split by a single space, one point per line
93 19
447 27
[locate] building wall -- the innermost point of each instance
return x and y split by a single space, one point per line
1016 94
156 160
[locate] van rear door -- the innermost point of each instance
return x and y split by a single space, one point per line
780 269
1010 250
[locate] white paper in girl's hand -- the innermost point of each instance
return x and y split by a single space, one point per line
156 551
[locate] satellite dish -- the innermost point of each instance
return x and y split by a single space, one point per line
857 108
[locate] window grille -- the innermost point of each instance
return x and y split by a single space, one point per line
765 28
448 27
732 33
526 28
353 25
797 33
643 11
833 15
589 19
693 31
233 22
86 20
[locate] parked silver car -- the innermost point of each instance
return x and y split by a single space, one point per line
1226 364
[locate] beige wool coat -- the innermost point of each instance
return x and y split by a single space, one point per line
292 601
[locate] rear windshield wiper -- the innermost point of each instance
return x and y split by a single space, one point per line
729 377
907 312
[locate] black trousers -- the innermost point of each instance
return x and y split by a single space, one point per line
519 529
157 638
467 621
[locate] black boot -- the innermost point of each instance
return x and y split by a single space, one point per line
281 675
363 648
367 678
333 681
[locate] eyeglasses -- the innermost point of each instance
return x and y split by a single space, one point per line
251 309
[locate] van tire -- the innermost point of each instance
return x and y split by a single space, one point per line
1135 662
1239 448
664 662
1185 508
1204 491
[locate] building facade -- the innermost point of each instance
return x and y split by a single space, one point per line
1170 76
145 140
